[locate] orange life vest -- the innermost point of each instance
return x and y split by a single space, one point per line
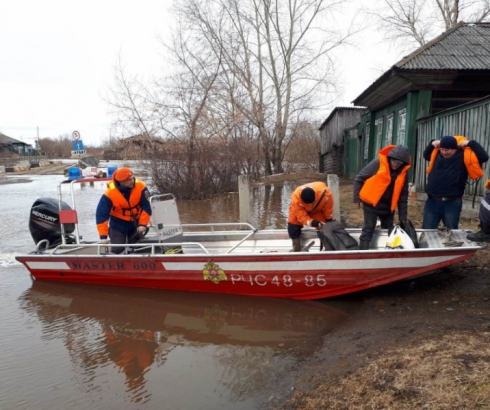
320 209
471 162
128 210
374 187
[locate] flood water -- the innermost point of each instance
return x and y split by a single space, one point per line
90 347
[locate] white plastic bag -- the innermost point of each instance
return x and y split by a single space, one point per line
399 239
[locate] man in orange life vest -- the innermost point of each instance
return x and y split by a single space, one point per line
381 186
125 209
452 160
311 205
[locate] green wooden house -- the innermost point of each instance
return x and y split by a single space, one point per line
451 70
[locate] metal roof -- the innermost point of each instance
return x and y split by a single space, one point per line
6 141
338 109
466 46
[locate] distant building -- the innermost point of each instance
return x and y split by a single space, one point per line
134 147
11 145
332 134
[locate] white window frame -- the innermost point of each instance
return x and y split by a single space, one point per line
389 130
378 131
367 130
402 127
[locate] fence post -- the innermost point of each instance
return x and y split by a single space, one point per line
333 184
244 198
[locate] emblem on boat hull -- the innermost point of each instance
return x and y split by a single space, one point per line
213 272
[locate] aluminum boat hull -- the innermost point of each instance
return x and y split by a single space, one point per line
283 275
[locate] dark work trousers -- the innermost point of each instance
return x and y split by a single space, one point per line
370 219
436 210
117 238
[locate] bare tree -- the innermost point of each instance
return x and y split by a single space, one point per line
474 11
240 75
132 105
409 22
302 150
279 52
198 160
60 147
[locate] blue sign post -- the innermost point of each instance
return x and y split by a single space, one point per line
77 145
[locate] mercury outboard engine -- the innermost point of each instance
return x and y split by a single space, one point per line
44 222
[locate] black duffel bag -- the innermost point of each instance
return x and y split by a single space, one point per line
334 237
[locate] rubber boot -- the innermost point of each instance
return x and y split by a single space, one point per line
364 245
479 236
296 245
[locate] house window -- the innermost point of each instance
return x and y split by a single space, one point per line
402 121
366 140
378 125
389 130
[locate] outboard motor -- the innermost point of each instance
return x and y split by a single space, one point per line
44 222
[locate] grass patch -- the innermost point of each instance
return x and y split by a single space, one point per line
448 373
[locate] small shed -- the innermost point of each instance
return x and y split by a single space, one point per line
332 137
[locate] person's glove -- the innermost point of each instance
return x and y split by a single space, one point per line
105 241
316 224
141 230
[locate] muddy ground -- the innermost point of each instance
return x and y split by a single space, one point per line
417 344
52 169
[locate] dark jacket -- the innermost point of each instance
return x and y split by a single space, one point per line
484 214
383 207
449 175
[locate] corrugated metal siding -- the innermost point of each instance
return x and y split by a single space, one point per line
472 122
465 48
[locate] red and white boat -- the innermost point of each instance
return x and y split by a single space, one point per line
228 258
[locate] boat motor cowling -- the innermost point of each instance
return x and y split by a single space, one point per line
44 222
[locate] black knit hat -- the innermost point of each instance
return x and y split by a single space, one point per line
448 142
308 195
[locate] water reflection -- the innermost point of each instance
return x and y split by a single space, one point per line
146 335
269 207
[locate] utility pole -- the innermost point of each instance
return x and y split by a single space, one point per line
38 143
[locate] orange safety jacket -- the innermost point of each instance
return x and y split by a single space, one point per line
471 162
131 353
374 187
123 209
320 209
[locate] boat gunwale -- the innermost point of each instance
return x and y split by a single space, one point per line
381 253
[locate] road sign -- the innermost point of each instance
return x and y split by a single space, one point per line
75 135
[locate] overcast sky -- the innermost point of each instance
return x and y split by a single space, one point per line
58 58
